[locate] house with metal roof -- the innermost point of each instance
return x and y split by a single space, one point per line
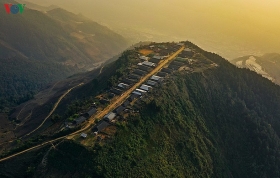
158 57
128 81
156 78
141 91
139 72
137 93
145 87
79 120
116 91
162 74
150 64
133 76
145 68
119 109
144 57
101 125
126 103
84 135
123 85
166 70
151 83
90 112
110 116
133 96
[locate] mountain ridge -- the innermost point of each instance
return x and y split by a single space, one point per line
221 121
48 47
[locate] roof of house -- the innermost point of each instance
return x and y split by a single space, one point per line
126 103
150 82
80 120
140 90
134 76
103 101
145 87
123 85
83 135
145 68
155 77
144 57
166 70
110 116
147 63
155 60
187 49
177 63
116 91
137 93
162 74
139 72
91 112
175 67
132 97
128 81
101 125
119 109
158 57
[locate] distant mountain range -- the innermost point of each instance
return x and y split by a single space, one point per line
39 47
267 65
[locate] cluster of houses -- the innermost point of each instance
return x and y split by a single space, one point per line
85 116
139 92
143 68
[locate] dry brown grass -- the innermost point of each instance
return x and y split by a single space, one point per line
145 52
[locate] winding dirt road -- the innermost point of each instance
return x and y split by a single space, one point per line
54 108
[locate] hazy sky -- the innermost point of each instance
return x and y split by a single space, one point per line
229 26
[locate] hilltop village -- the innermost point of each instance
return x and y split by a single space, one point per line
152 65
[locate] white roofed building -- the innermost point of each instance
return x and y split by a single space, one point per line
156 78
144 58
137 93
152 83
140 90
158 57
150 64
123 85
110 116
145 87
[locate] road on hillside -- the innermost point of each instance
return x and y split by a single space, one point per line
107 109
54 108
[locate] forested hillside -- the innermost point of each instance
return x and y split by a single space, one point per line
220 122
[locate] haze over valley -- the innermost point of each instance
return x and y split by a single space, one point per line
229 28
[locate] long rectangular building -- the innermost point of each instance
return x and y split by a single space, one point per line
150 64
156 78
110 116
151 83
145 87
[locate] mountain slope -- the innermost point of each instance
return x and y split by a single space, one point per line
267 65
217 122
37 48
